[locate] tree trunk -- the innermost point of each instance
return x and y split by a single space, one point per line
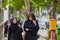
17 13
28 7
53 8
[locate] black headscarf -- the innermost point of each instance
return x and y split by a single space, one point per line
32 15
12 20
6 23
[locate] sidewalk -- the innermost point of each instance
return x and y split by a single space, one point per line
40 38
4 38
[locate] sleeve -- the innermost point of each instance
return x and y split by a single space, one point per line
25 26
9 34
37 26
21 30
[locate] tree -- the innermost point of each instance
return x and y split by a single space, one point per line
17 5
58 6
14 5
40 3
53 8
4 3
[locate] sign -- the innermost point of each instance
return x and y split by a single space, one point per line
52 24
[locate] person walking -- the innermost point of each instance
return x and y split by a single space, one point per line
31 27
6 28
15 32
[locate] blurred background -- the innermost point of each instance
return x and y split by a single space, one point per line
44 10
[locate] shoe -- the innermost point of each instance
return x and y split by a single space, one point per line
5 35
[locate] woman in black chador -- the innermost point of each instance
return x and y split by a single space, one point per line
15 32
31 27
6 28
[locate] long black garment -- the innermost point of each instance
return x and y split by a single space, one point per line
32 33
6 29
15 33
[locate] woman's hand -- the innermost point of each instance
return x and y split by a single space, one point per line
34 22
27 29
19 26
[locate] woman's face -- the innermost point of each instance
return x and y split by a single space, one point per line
30 18
14 21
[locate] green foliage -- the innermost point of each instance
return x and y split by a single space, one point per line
21 17
58 6
41 3
16 4
4 3
18 17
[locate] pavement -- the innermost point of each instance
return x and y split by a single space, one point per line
4 38
41 32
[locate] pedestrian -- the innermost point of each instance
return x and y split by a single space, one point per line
47 25
15 32
6 28
31 27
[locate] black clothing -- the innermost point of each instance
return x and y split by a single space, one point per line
31 34
5 29
15 33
